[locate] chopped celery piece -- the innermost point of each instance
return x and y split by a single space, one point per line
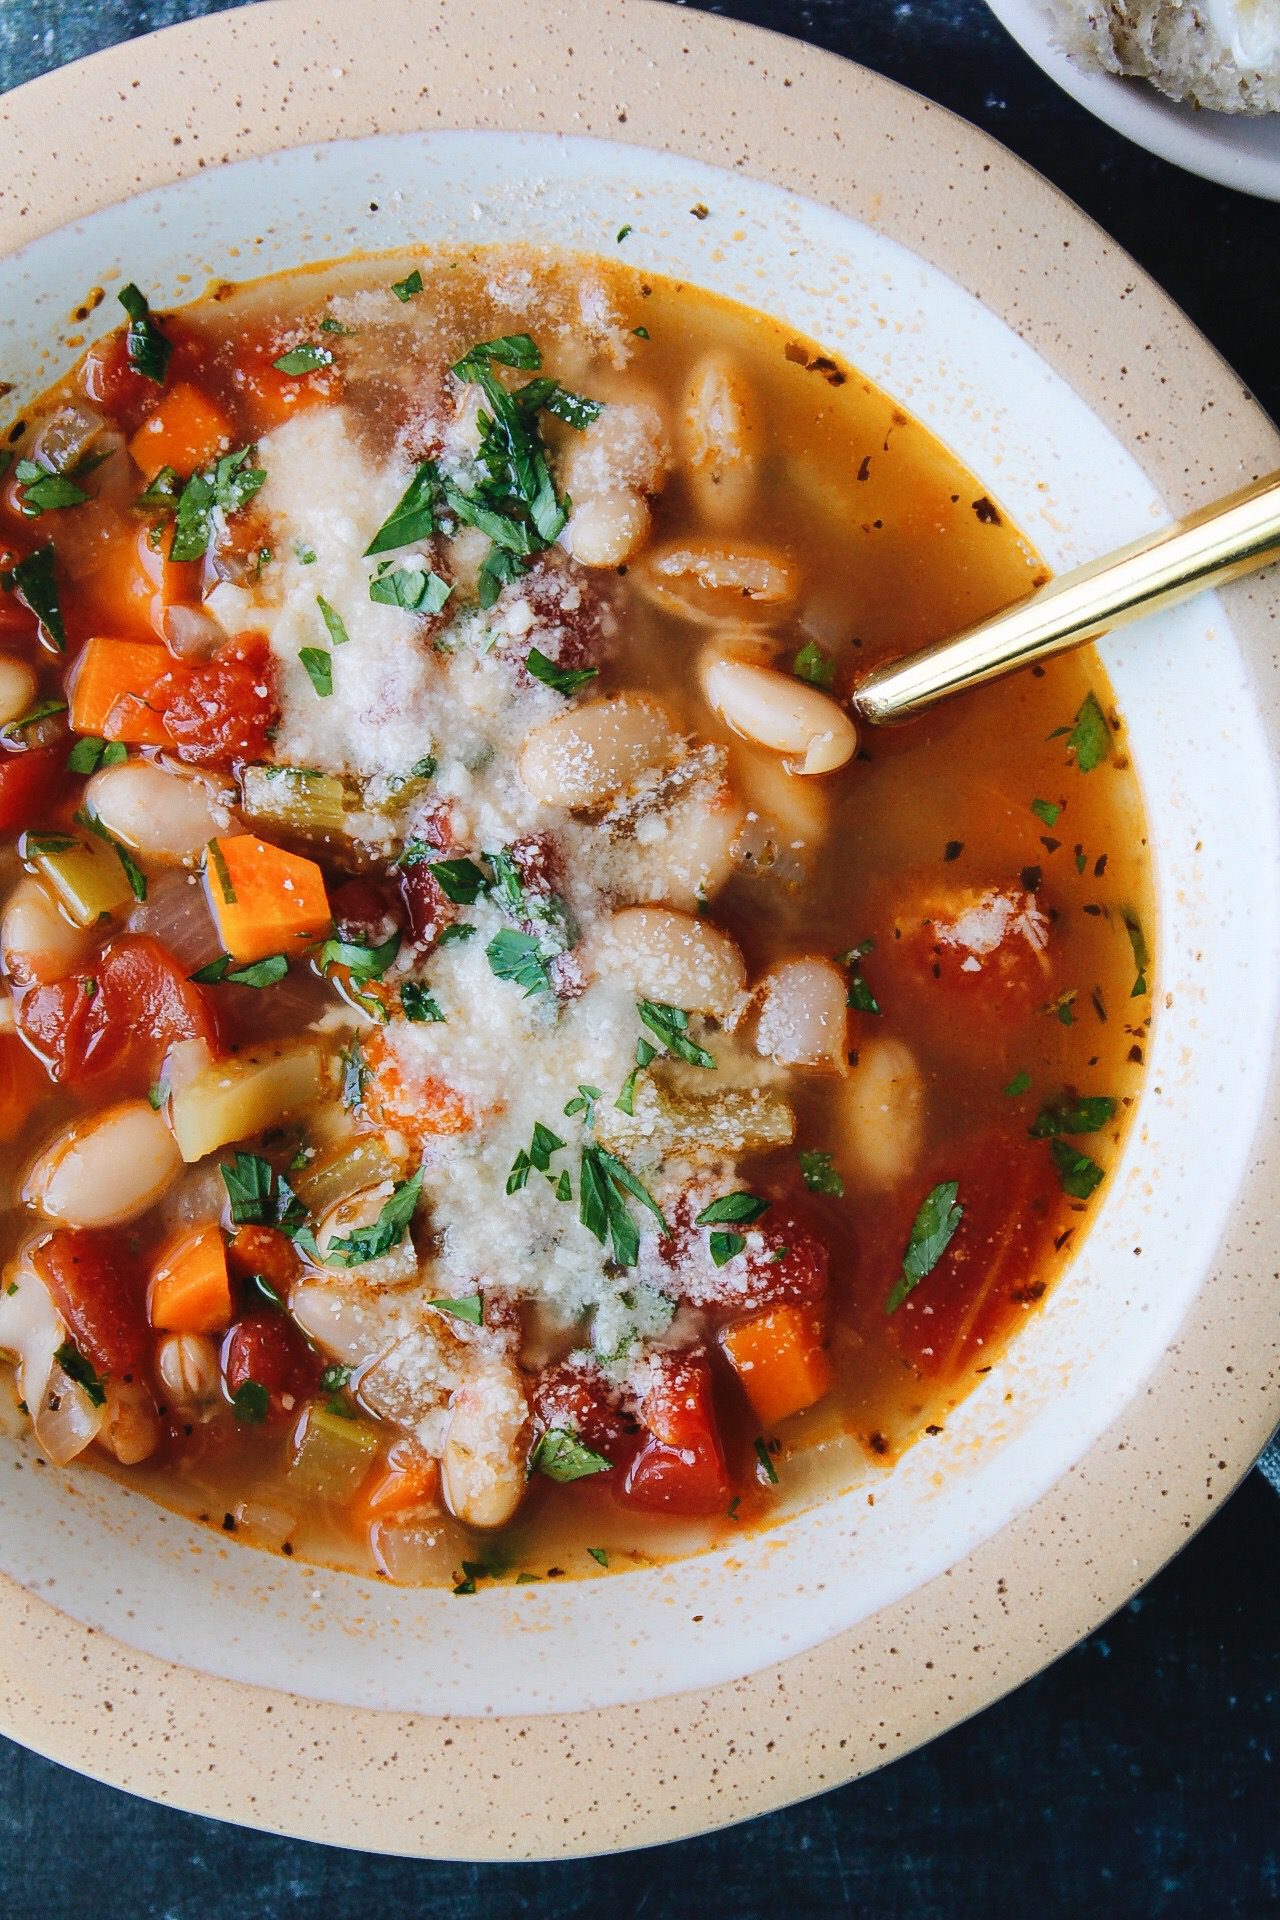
295 797
729 1120
232 1099
345 1169
87 876
332 1454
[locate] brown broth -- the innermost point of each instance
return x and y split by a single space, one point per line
901 545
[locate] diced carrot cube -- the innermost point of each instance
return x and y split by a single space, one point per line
270 397
190 1291
781 1359
421 1109
185 432
264 900
110 688
408 1480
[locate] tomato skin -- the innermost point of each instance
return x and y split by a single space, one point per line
141 1004
785 1261
680 1468
221 711
267 1348
961 967
575 1396
101 1293
28 783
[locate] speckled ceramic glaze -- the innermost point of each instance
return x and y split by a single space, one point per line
609 1713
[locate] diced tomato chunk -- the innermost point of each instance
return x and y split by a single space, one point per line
269 397
267 1348
427 910
574 1396
120 1019
784 1259
965 963
221 711
21 1085
101 1292
111 382
15 615
680 1468
28 782
264 1252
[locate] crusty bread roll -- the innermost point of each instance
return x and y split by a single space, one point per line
1223 55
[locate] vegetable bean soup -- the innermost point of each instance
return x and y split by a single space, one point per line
499 1078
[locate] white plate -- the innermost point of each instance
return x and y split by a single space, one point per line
1236 149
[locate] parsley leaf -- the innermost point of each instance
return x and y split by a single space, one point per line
418 1003
456 932
564 680
724 1246
931 1231
562 1456
818 1172
263 973
132 871
626 1100
1088 1115
1080 1176
861 998
537 1158
42 490
604 1183
470 1308
1090 738
36 584
250 1402
388 1230
671 1026
460 881
1141 954
767 1469
516 956
224 487
411 586
43 710
319 665
362 963
258 1196
1047 811
307 357
406 288
813 665
146 346
333 621
1019 1084
82 1371
510 350
737 1209
413 516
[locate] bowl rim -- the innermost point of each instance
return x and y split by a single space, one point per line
292 72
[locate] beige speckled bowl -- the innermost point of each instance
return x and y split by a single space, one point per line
1139 1397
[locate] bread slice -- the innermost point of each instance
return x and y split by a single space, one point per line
1179 46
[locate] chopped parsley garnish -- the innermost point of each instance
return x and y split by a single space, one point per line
1090 737
406 288
1141 954
562 1456
469 1307
626 1100
45 710
724 1246
330 325
818 1172
455 932
413 516
583 1102
411 586
931 1232
1046 810
599 1555
622 234
356 1249
262 1293
333 621
132 871
460 881
813 665
1080 1176
258 1196
537 1159
573 408
356 1074
263 973
36 584
670 1025
418 1003
162 489
307 357
604 1185
318 662
1088 1115
226 486
737 1209
509 350
1019 1084
250 1402
88 754
82 1371
146 346
42 490
767 1468
361 962
517 956
564 680
861 997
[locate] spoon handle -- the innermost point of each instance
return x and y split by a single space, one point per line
1233 537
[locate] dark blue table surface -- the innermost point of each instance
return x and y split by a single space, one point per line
1137 1776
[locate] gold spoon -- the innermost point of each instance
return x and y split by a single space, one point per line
1235 536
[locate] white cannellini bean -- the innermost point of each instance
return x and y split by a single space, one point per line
130 1427
780 712
625 448
607 528
679 854
106 1169
187 1368
585 756
787 815
482 1471
884 1106
31 1328
17 688
36 943
399 1267
803 1018
720 436
161 815
345 1320
675 959
715 581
